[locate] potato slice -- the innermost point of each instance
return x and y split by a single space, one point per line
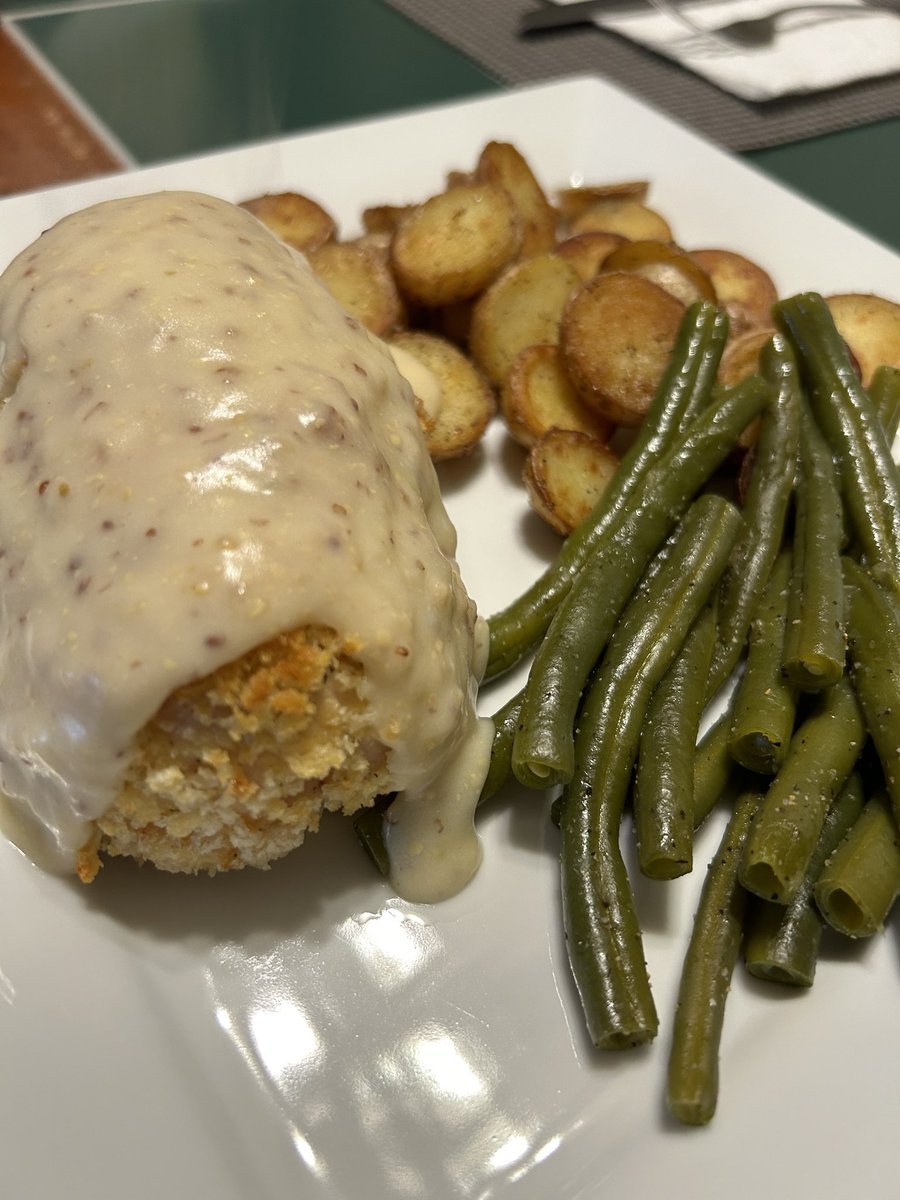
521 308
463 402
298 220
384 218
740 359
573 201
455 244
502 165
565 474
588 251
538 396
743 288
616 336
870 325
631 218
358 277
664 264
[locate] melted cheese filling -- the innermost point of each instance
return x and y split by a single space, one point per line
201 450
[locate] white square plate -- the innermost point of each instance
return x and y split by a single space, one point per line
302 1032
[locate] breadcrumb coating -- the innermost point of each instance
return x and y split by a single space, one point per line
236 768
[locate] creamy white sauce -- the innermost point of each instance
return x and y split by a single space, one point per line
200 450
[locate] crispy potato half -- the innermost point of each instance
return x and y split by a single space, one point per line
743 288
616 336
870 325
521 308
457 398
455 244
537 396
573 201
357 275
503 166
631 218
296 219
587 252
565 474
666 265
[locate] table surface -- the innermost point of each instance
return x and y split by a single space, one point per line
163 80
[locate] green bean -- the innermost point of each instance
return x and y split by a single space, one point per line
873 632
884 392
689 375
782 941
506 721
602 930
765 510
664 780
693 1075
714 768
821 755
814 649
368 825
543 750
852 427
858 887
765 703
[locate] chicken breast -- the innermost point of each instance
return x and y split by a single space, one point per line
231 600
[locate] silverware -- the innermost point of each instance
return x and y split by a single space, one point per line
761 31
558 16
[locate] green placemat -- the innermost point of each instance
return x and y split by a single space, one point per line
485 31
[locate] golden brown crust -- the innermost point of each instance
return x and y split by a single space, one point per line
237 767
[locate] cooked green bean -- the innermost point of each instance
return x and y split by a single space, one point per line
782 941
506 721
693 1076
821 755
765 510
814 649
858 887
714 768
873 633
664 780
884 392
851 425
602 930
689 376
765 703
543 748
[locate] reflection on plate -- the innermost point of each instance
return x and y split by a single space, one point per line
303 1032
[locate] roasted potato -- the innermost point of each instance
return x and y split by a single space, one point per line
503 166
740 359
666 265
743 288
455 244
573 201
616 336
565 474
296 219
521 308
631 218
537 396
870 325
587 252
357 276
458 401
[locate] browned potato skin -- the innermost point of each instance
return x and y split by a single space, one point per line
358 277
455 244
616 336
666 265
587 252
631 218
537 396
467 400
870 325
573 201
743 288
296 219
740 359
521 308
565 474
502 165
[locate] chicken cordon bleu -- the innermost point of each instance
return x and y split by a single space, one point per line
230 599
